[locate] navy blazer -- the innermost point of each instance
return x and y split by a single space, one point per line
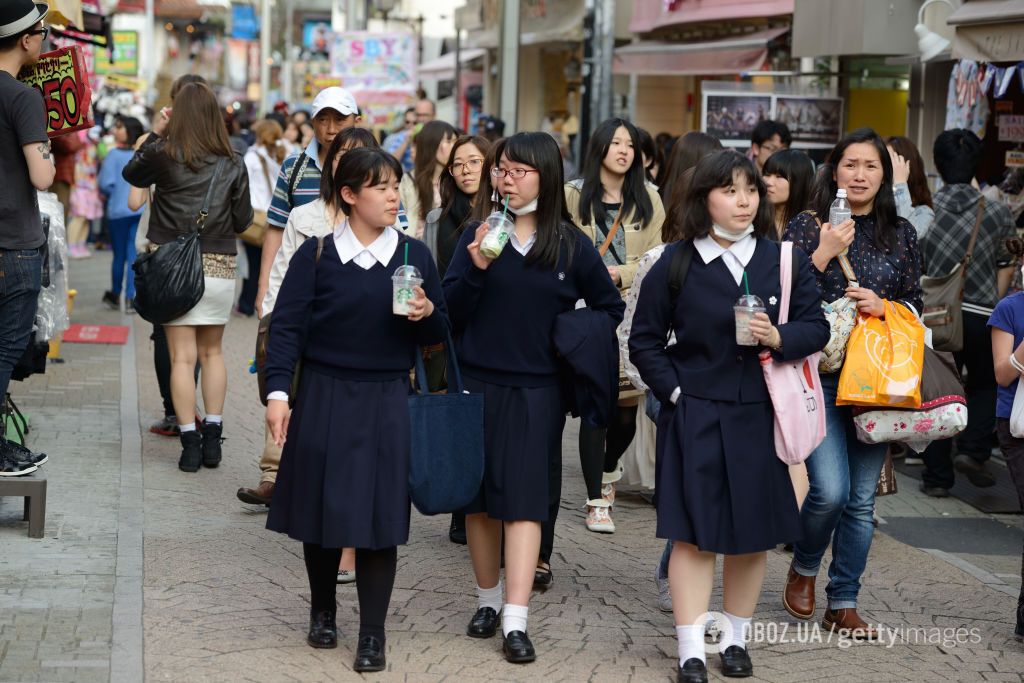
586 341
706 362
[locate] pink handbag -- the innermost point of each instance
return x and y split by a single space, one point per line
794 386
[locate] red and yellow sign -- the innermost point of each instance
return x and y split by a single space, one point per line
60 77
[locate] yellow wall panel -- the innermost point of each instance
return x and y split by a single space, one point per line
883 110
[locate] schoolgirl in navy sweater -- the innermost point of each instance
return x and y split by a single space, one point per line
343 480
721 488
503 312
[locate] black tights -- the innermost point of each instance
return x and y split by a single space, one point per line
601 448
375 578
162 364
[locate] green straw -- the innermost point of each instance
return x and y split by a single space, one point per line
407 254
746 284
505 213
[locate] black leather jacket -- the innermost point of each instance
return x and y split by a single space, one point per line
180 193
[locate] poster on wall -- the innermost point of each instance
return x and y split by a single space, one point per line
317 35
731 117
61 78
379 69
810 119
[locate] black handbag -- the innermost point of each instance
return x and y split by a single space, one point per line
169 281
446 460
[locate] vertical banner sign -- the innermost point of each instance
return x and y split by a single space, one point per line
379 69
61 79
125 55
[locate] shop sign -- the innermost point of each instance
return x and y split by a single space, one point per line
60 78
380 71
1015 158
125 55
1011 128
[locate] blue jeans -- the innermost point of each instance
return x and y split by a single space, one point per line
122 241
843 473
21 276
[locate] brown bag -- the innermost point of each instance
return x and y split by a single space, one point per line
944 295
257 232
887 479
260 357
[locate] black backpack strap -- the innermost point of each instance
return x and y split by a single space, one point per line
297 169
678 269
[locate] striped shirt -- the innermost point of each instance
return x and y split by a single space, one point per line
307 185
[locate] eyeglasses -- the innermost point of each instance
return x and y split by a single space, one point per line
471 166
514 173
41 32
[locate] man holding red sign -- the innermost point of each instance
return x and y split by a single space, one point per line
26 165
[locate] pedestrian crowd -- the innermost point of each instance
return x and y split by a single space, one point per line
622 296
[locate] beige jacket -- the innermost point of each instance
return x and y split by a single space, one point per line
640 238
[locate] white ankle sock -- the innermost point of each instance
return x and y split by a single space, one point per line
489 597
691 643
740 632
513 618
214 419
190 427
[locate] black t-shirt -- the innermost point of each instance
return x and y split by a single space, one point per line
22 122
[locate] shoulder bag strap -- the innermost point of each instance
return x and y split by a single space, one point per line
603 249
974 235
786 276
266 170
297 169
205 211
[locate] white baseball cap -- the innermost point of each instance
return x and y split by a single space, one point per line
335 98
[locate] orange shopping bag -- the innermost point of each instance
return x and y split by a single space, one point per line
884 359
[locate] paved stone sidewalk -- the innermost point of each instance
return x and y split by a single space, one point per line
225 600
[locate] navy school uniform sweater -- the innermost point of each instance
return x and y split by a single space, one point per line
504 316
337 317
706 362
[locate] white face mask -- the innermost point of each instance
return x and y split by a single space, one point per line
732 236
523 210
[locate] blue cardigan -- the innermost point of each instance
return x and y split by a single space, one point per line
706 362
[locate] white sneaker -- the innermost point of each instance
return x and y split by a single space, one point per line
664 595
608 493
599 519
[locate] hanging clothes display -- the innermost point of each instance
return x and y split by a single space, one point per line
966 103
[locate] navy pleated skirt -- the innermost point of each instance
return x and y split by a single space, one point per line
522 434
344 475
720 485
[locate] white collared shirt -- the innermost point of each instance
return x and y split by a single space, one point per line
523 249
736 257
381 250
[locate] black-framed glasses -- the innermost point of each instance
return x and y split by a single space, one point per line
42 32
514 173
471 166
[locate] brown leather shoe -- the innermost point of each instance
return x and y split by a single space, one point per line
798 598
258 496
848 623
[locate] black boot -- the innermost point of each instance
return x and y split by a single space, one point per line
211 443
457 530
191 451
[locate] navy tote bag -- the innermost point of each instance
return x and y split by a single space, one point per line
446 463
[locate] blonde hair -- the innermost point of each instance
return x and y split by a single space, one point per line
270 135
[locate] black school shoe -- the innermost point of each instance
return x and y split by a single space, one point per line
736 662
211 443
323 632
484 623
370 655
692 671
191 451
517 648
543 578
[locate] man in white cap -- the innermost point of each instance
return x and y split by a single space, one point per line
334 110
26 165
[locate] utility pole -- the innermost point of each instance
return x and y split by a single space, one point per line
606 41
459 123
288 68
149 74
265 58
588 85
355 15
508 61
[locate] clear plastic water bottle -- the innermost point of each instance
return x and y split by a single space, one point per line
840 211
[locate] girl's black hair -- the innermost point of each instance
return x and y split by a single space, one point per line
448 188
653 152
540 151
348 139
427 141
686 152
365 166
634 190
132 127
718 170
796 167
884 210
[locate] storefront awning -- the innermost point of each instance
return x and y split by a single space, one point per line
730 56
649 15
540 23
443 68
989 30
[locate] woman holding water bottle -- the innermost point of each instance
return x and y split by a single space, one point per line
508 280
343 480
721 488
883 252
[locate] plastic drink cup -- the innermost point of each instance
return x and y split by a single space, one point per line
745 308
499 229
403 282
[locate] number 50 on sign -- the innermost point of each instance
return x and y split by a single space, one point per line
59 77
